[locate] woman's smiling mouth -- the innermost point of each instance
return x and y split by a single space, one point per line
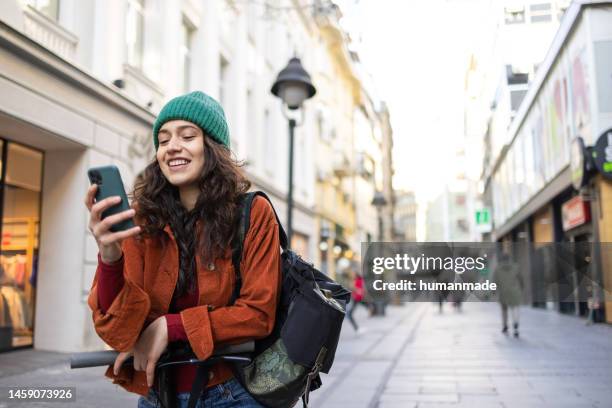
178 164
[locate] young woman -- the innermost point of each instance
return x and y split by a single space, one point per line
170 278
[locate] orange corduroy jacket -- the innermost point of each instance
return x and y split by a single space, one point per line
151 271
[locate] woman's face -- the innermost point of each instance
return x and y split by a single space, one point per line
181 152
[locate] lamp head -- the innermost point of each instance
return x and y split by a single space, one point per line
293 85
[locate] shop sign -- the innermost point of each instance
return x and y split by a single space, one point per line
602 154
574 213
483 220
578 163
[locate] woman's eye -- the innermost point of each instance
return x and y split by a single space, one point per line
162 142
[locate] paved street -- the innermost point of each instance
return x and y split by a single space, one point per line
417 357
414 357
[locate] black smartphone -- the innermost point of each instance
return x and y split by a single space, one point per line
110 184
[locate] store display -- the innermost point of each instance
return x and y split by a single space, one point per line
16 291
21 187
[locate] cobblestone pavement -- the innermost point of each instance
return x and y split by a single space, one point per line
421 358
413 357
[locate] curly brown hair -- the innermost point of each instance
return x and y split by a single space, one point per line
157 203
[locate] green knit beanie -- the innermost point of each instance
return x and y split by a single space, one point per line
198 108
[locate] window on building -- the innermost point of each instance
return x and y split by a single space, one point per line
269 145
50 8
252 142
323 124
134 32
187 31
320 125
223 85
514 15
251 19
516 97
365 166
540 12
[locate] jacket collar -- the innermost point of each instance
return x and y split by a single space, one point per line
168 230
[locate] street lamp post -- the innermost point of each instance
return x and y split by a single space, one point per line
293 86
379 201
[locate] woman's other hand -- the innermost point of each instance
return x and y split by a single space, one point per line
120 359
150 346
109 243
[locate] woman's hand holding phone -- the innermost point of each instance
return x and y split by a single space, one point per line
109 243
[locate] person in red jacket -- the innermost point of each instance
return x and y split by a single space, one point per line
170 278
357 297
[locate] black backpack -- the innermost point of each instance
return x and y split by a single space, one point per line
287 363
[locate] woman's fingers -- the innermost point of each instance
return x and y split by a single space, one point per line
105 224
120 360
118 236
89 197
139 362
98 208
150 370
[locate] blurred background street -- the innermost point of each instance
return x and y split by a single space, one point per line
412 357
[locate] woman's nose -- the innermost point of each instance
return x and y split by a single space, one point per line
174 144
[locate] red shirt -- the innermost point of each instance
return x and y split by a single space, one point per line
358 291
110 283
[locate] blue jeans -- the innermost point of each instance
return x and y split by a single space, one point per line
230 394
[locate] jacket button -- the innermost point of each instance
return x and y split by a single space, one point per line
211 375
211 266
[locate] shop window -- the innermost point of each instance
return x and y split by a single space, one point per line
49 8
21 199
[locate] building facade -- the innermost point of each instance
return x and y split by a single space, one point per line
353 131
498 75
530 184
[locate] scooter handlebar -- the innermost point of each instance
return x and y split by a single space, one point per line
107 357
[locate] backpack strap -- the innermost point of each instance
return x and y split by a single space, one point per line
243 228
199 386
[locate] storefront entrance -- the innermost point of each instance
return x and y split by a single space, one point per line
20 194
578 243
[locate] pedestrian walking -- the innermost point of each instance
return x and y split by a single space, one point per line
170 278
593 303
441 295
357 298
509 290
